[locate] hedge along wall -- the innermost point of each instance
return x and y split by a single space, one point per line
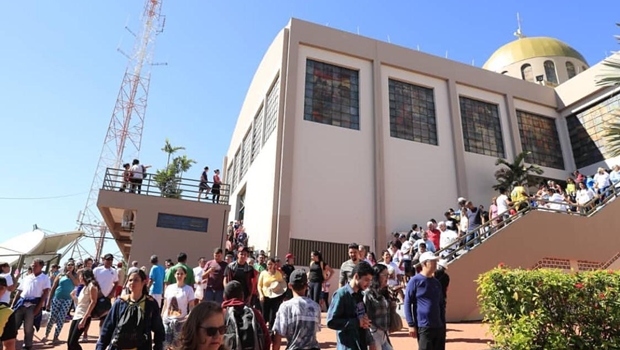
549 309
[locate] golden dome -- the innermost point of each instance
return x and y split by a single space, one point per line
524 48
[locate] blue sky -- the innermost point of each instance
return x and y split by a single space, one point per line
61 74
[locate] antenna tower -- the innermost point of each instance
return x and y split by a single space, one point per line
124 135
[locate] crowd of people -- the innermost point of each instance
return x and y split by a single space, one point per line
243 299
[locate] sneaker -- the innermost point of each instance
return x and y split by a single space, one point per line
56 341
85 339
44 340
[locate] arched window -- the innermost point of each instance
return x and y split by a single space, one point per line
550 72
570 69
526 72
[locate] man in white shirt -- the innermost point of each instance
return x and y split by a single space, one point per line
106 276
29 300
447 239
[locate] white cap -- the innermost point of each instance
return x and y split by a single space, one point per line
428 256
443 263
461 199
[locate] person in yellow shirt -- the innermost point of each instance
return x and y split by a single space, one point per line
518 196
271 287
7 320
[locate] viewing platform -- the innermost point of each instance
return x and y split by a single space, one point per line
162 216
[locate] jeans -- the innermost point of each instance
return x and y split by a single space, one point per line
431 338
314 291
381 340
26 315
213 295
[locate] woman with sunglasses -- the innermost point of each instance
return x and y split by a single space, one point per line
60 300
204 328
153 326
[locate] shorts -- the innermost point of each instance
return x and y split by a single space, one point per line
10 329
204 186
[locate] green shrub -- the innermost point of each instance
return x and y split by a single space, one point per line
549 309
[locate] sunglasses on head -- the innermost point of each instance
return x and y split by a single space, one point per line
211 331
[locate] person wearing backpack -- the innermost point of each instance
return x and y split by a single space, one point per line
132 319
245 326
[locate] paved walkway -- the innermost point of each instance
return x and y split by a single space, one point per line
461 336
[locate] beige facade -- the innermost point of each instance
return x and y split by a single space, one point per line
329 184
163 226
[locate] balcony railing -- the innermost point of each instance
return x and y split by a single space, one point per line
178 188
470 240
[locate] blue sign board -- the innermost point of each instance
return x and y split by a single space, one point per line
179 222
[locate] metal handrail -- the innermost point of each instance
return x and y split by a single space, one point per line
491 227
180 188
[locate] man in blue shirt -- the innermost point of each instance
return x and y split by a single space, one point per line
156 280
424 309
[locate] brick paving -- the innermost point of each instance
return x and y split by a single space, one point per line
461 336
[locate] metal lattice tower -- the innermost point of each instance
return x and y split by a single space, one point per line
124 135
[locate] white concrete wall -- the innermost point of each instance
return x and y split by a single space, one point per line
480 169
258 181
420 179
333 179
259 186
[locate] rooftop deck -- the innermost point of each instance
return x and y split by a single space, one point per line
159 185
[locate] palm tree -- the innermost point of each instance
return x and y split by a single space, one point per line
168 148
610 77
516 171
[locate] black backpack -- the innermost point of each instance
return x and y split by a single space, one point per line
130 332
242 330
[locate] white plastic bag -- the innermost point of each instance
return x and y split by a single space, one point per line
45 317
199 293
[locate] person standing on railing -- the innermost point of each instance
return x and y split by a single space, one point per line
138 171
204 183
217 184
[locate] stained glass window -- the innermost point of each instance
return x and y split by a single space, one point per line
412 112
332 95
273 103
587 131
482 131
539 135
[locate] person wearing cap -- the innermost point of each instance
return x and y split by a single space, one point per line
287 269
7 318
298 319
424 309
234 305
156 280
